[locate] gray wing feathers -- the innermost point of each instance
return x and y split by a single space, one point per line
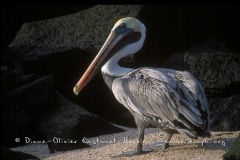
161 93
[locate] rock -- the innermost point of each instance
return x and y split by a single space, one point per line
8 154
234 152
219 72
12 71
217 69
86 30
225 113
66 121
20 106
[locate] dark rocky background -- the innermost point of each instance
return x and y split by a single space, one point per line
46 49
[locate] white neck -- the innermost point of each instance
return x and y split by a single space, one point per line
112 68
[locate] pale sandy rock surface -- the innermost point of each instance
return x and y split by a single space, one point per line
107 146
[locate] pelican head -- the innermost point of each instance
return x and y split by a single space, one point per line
126 37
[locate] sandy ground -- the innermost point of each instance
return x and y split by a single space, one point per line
108 146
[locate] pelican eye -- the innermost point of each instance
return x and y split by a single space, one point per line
122 28
122 25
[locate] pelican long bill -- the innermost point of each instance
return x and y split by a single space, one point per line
103 55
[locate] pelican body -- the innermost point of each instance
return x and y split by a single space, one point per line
172 100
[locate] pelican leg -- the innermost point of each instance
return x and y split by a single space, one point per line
166 144
139 149
140 141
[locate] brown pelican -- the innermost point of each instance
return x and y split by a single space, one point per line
172 100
